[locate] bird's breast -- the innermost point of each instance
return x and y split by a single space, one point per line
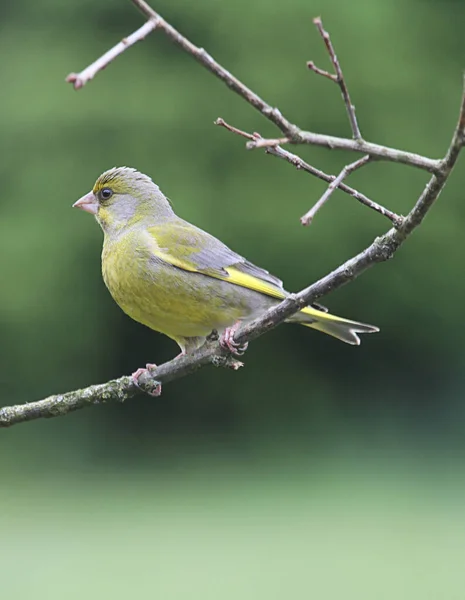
167 298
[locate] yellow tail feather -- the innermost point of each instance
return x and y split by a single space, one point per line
342 329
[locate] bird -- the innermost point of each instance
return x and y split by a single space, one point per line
179 280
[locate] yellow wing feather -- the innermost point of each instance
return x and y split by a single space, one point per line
189 259
252 283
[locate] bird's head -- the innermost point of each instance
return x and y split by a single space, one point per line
122 197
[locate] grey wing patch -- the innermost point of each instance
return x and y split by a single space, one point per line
215 257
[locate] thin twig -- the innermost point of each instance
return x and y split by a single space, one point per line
299 163
201 56
80 79
383 248
295 160
222 123
309 215
312 66
374 150
338 78
290 130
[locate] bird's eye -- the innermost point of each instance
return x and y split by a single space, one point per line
106 193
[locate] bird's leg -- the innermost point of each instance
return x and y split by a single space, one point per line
227 340
156 391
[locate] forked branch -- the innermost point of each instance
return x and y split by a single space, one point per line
358 164
293 134
337 78
300 164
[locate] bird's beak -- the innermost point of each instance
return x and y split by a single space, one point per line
88 203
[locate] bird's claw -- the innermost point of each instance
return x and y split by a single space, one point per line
153 389
227 340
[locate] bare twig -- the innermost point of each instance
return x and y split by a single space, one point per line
383 248
299 163
80 79
295 160
290 130
312 66
337 143
201 56
338 78
222 123
309 215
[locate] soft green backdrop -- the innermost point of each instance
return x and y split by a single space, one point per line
319 470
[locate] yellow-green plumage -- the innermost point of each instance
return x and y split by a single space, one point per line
177 279
162 297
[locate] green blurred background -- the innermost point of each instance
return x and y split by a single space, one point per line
320 470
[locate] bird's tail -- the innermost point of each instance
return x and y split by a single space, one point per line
342 329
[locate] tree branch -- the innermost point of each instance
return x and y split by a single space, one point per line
380 250
338 78
309 215
295 160
79 80
293 134
207 61
117 390
299 163
336 143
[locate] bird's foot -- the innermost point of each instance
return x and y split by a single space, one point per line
152 389
227 340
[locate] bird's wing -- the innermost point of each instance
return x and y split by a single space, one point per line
189 248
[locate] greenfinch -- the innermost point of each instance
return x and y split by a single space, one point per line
179 280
